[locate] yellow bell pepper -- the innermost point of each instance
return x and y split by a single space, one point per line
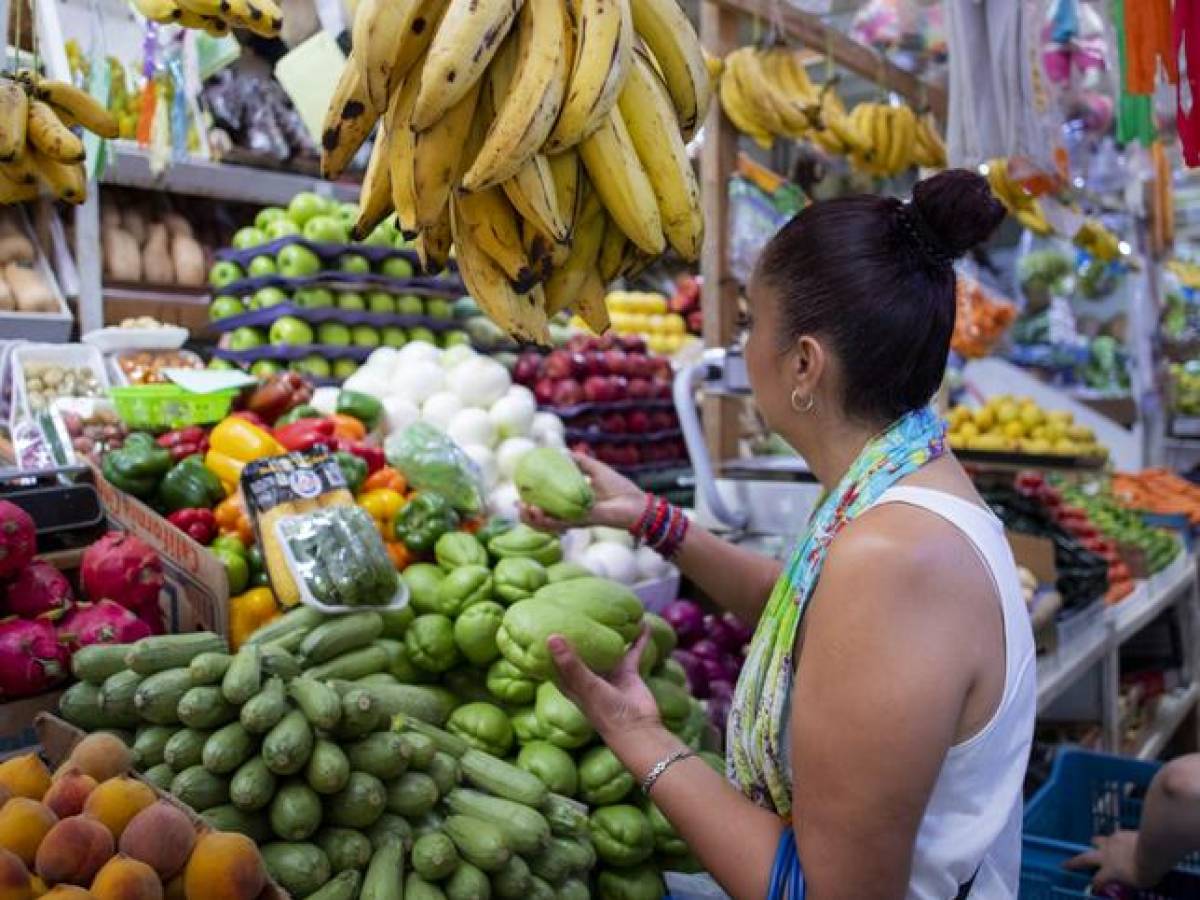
242 440
226 468
248 612
381 504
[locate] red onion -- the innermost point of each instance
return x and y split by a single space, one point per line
687 618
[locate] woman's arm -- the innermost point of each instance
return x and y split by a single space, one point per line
738 579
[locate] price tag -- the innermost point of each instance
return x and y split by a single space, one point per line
309 74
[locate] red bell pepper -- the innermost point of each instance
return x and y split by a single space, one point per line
371 455
304 433
185 442
278 394
197 523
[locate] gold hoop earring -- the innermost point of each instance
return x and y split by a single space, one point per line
802 406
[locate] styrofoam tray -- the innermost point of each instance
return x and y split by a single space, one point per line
113 340
62 354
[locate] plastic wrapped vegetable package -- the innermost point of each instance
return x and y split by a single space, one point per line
432 462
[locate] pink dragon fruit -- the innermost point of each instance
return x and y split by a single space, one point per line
105 622
40 590
31 658
151 615
123 568
18 539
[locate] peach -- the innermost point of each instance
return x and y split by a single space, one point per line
74 851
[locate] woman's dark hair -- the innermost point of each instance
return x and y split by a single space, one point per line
874 275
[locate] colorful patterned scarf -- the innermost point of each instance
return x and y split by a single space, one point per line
757 760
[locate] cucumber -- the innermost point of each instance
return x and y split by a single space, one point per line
359 804
481 843
345 847
149 743
278 661
185 748
429 704
428 823
205 707
295 813
377 678
383 754
290 642
160 776
503 779
252 786
525 830
116 699
343 886
467 883
412 794
421 750
385 874
444 771
228 748
96 662
319 702
417 888
157 697
200 789
209 668
353 664
512 881
551 864
328 769
339 635
566 817
80 705
360 715
161 652
228 817
301 618
288 745
434 856
390 826
243 678
300 869
446 742
539 889
263 711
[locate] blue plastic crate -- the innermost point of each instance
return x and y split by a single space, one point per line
1044 878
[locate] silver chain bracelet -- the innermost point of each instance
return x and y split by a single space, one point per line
656 772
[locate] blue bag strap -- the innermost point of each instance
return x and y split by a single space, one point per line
787 877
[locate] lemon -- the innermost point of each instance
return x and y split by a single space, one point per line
988 442
985 419
1014 430
1007 412
1038 445
1065 446
968 431
1080 433
1032 415
956 441
1059 417
1055 432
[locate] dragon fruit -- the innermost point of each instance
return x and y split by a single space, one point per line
105 622
18 539
123 568
40 590
31 658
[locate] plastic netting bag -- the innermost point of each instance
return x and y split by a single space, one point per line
755 217
432 462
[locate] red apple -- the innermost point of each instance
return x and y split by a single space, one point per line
606 341
618 387
639 389
633 343
695 322
583 448
526 370
595 362
558 364
631 454
662 390
579 365
613 423
608 453
614 362
637 365
596 389
637 421
543 391
662 420
567 393
577 343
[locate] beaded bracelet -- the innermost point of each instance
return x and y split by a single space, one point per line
662 526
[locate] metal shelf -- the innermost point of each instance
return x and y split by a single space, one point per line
1058 671
1162 591
1167 722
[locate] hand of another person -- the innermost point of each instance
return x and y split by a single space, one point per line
619 502
1114 858
618 702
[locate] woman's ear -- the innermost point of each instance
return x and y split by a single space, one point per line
807 363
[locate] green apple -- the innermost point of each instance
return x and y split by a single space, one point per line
455 337
314 365
466 308
394 337
281 228
381 302
397 267
265 298
403 243
352 262
290 331
344 368
383 235
422 334
246 338
313 298
263 368
326 230
365 336
351 300
221 364
262 265
296 261
410 305
248 237
333 333
304 206
225 272
439 308
267 215
347 212
225 306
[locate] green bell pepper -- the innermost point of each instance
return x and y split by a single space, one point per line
560 720
423 580
296 413
362 406
429 641
229 542
622 835
258 567
483 726
455 549
237 570
603 781
552 765
516 578
475 631
190 485
463 588
354 469
424 519
138 466
637 883
508 684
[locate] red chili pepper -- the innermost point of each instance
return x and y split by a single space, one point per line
372 456
197 523
304 433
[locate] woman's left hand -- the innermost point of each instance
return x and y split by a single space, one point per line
617 703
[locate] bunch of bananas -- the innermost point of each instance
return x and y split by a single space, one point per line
895 138
215 17
37 145
545 140
1021 204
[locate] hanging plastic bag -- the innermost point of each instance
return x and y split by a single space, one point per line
432 462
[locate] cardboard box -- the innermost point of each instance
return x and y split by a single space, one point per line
1034 553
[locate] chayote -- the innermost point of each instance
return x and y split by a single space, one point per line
621 834
566 571
475 632
455 549
526 727
483 726
549 479
523 541
507 683
670 670
430 643
603 781
550 764
637 883
422 580
674 703
601 600
666 839
529 623
516 578
560 720
692 731
462 588
661 633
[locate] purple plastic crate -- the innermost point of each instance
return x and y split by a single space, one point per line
261 318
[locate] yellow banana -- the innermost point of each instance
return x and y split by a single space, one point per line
14 114
437 157
673 43
21 171
421 29
161 11
618 177
466 40
612 250
742 66
531 191
209 8
14 192
398 121
66 181
603 52
589 302
788 107
562 287
51 137
736 109
492 223
433 245
795 78
380 29
834 117
649 116
904 135
375 195
348 121
542 251
78 105
565 170
263 17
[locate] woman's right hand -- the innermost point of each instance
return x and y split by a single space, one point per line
619 502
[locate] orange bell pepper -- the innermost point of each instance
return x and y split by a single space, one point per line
387 477
348 428
401 557
248 612
232 519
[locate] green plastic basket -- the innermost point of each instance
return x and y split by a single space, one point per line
165 406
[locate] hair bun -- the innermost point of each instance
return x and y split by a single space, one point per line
959 208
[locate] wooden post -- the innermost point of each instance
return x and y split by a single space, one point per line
719 295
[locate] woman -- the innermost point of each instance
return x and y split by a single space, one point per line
886 707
